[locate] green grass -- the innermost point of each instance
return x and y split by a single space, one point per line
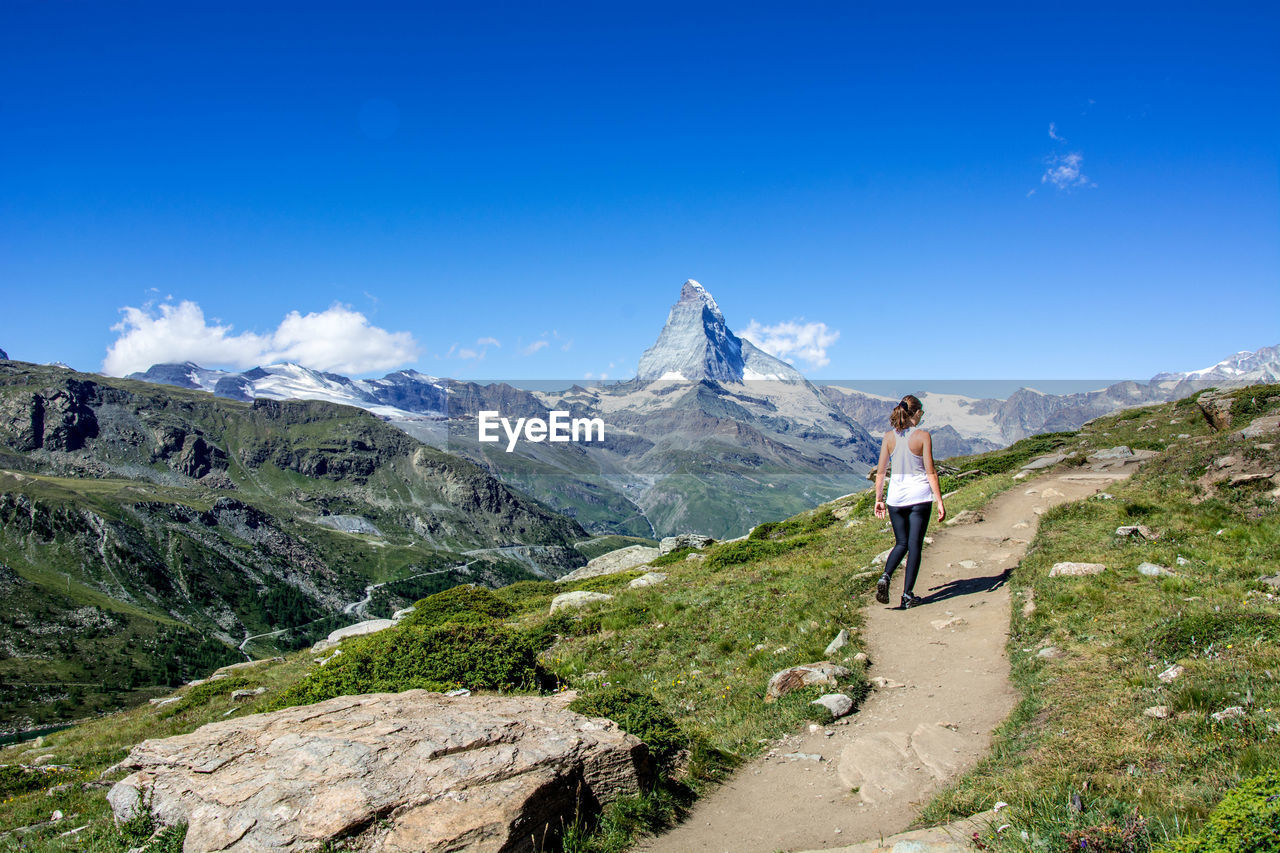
1080 728
777 599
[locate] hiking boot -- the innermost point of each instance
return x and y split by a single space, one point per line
909 600
882 589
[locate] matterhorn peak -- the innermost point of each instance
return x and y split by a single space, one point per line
697 344
692 291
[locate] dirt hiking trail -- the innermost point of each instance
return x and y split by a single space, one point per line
947 689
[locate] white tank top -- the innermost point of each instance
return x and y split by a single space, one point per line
908 482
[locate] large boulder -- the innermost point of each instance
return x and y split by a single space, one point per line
577 598
613 562
412 771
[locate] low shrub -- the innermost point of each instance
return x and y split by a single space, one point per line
676 556
750 550
490 656
775 530
638 714
459 603
1246 821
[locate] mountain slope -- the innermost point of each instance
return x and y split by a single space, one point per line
138 518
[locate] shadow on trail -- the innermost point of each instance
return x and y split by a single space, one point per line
965 586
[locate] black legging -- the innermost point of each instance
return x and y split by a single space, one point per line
909 524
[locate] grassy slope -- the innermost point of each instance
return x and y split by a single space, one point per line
778 602
775 604
1080 728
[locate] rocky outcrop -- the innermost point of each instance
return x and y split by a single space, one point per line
684 540
613 562
413 771
1216 408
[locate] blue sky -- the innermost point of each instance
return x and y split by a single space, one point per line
1052 192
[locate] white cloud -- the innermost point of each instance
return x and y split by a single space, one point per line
533 347
488 342
794 339
337 339
598 376
1053 132
1065 172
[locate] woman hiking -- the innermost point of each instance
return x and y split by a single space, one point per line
913 487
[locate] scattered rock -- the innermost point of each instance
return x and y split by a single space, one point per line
802 756
1049 653
577 598
648 579
1021 525
882 557
968 564
684 540
841 640
952 622
1226 462
1152 570
247 693
165 700
42 760
1029 606
1052 493
1075 569
837 703
968 516
694 557
1265 425
1242 479
401 772
822 672
1232 713
882 683
861 657
842 512
369 626
1044 461
1170 674
1272 581
1182 561
1137 530
1157 712
613 562
1216 408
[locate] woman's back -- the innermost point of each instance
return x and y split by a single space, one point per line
908 478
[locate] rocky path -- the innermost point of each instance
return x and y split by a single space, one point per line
867 776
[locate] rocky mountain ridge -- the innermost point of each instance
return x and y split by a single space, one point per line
146 532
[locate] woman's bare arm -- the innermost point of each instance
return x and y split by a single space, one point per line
927 453
881 509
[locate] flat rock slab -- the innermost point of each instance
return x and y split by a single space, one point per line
885 765
412 771
613 562
1075 569
369 626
